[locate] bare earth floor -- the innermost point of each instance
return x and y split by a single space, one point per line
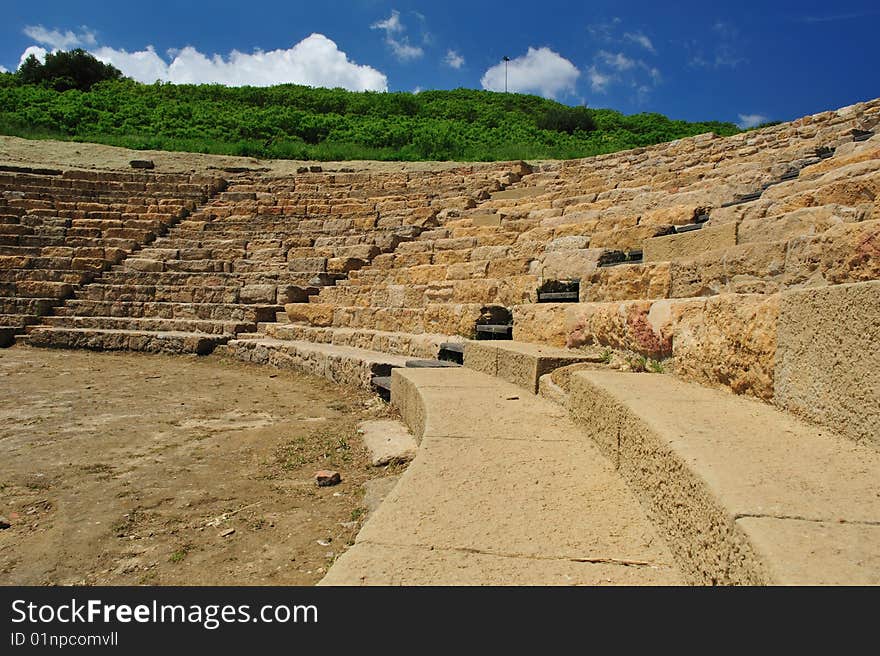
125 468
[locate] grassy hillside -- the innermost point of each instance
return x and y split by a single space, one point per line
296 122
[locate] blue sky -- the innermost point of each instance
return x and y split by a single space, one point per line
743 62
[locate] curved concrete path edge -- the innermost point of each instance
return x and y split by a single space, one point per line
504 490
743 493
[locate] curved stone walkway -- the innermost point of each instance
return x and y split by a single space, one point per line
505 490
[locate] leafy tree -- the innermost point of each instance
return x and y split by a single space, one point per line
63 71
566 119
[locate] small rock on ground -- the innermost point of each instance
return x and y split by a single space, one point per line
326 478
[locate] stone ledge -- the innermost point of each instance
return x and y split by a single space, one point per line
743 492
520 363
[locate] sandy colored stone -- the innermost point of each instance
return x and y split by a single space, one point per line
730 341
675 215
689 244
806 221
628 281
704 463
828 361
315 314
569 264
388 441
626 239
849 252
477 493
542 323
520 363
642 327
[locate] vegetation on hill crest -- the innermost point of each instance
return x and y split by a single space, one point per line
74 97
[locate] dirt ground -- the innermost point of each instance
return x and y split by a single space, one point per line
127 468
69 154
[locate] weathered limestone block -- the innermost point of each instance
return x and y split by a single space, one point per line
140 264
457 319
541 323
475 291
828 358
15 262
486 220
690 244
747 268
261 293
87 264
307 264
844 186
867 152
490 253
628 281
643 327
570 264
450 257
407 260
467 270
729 341
849 252
313 314
415 247
345 264
627 239
384 261
573 242
807 221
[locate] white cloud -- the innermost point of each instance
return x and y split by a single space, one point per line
642 40
453 60
618 61
751 120
3 69
604 31
540 71
36 51
391 25
598 81
725 53
315 61
615 68
394 38
58 40
142 65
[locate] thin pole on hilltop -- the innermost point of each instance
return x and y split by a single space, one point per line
506 59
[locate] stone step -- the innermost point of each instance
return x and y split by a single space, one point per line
339 364
126 340
161 293
150 324
437 318
396 343
36 289
521 363
29 306
46 275
205 311
205 278
18 320
799 508
474 506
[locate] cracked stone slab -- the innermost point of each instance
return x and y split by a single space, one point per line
377 564
528 502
